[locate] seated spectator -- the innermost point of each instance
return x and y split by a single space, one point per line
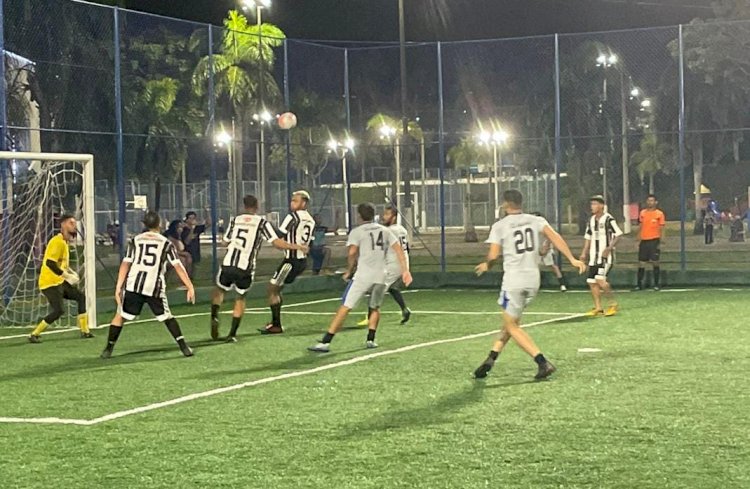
174 235
737 230
319 252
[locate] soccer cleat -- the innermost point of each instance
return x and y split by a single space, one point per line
657 288
637 288
215 328
405 315
611 310
595 312
106 353
563 288
34 338
370 345
483 369
187 351
320 348
271 329
545 370
87 334
364 322
231 339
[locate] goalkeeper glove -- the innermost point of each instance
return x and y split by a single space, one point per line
71 276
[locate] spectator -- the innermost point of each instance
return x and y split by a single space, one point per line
737 230
191 235
113 232
319 252
174 235
708 227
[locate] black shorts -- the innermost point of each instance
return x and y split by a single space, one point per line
56 294
132 304
598 271
288 271
648 250
233 277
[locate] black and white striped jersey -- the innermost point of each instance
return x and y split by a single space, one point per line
245 236
148 254
297 228
601 231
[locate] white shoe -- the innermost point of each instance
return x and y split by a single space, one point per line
563 288
371 344
321 348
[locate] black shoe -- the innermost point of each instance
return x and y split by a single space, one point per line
87 335
545 370
271 329
231 339
34 338
187 351
483 370
106 353
214 329
405 316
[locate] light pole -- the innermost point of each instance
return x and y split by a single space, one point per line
390 134
263 119
341 150
223 139
497 139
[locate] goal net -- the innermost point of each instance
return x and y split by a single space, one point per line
35 190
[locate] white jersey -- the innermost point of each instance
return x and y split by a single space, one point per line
391 259
518 237
148 254
297 228
601 232
245 236
373 241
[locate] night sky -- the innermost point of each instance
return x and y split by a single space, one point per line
441 19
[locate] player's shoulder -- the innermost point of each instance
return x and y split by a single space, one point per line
247 219
304 215
152 237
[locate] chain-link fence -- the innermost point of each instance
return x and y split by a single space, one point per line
184 114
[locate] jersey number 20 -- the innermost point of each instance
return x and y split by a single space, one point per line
524 240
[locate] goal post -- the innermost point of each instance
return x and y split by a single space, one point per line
35 188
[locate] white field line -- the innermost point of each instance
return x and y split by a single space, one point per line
414 311
266 380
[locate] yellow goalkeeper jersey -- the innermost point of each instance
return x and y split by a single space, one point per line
59 252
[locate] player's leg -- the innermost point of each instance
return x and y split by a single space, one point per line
522 338
74 294
607 291
643 259
115 328
655 256
54 297
595 292
129 309
217 299
377 294
160 307
354 292
502 340
274 297
560 277
395 292
241 285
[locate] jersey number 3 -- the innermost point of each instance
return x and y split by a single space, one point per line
524 240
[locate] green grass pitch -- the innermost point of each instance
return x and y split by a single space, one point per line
663 404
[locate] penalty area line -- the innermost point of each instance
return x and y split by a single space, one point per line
267 380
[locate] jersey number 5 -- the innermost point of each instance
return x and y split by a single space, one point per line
524 240
377 243
241 236
146 255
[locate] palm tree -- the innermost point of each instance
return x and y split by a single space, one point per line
464 155
309 152
244 64
650 158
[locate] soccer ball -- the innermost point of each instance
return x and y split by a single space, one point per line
287 120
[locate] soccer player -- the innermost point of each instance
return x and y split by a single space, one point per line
368 245
297 228
548 254
142 277
652 225
58 281
516 238
393 269
600 240
245 234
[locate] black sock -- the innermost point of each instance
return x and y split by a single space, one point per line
114 334
657 272
276 314
493 355
371 334
327 338
561 279
215 310
540 360
398 297
641 272
235 326
174 329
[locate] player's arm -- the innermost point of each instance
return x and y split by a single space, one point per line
405 273
179 269
662 225
492 255
269 233
283 245
615 229
351 260
559 243
122 274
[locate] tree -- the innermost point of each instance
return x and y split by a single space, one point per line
243 66
650 158
464 155
308 151
414 133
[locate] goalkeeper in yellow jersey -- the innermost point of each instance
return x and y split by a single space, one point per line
58 281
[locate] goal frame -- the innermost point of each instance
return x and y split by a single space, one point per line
89 215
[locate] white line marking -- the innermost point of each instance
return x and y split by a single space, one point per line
266 380
447 313
589 350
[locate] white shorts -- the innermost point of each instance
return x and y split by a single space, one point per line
598 272
358 288
549 259
514 301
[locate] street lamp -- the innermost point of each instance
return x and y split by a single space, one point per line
223 139
341 149
391 133
496 139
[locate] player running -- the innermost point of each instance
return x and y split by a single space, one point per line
297 228
245 235
516 237
393 268
600 240
368 245
57 281
549 259
652 226
142 276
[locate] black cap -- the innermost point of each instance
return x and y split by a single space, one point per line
597 198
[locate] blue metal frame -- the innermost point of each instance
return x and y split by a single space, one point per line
120 170
558 144
3 94
683 255
211 128
347 104
288 136
441 144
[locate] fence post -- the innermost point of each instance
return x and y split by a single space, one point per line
683 256
288 138
120 170
212 171
347 105
558 142
441 145
3 94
